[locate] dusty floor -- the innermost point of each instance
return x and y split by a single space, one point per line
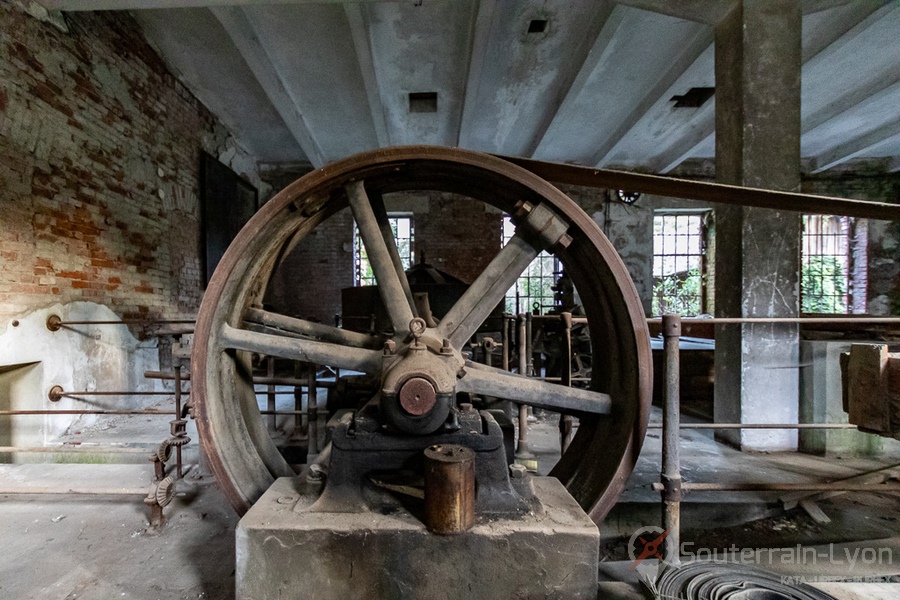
99 547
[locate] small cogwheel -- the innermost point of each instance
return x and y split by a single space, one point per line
179 441
164 452
165 491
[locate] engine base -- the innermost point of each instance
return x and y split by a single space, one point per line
286 551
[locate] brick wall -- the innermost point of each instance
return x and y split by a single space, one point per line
99 164
456 235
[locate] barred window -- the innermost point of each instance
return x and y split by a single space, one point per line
402 226
825 273
679 263
533 289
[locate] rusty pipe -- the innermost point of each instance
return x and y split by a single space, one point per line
671 466
565 421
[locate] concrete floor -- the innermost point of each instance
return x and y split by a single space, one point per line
98 547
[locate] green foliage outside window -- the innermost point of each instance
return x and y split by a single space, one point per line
678 293
824 285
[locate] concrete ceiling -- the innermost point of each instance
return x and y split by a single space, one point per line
319 80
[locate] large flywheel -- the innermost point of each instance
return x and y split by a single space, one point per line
427 367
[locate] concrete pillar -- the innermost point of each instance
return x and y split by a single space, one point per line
757 261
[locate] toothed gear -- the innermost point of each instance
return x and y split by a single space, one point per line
164 452
165 491
179 441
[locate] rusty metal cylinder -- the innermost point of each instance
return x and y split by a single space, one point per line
449 489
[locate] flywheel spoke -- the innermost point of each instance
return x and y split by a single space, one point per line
470 311
485 380
389 272
308 329
320 353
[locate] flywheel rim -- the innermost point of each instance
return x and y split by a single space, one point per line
233 437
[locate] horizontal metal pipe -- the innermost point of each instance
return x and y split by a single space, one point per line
738 320
105 393
84 412
786 487
76 448
801 320
67 492
130 322
293 381
759 426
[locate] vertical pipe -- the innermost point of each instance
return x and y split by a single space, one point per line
522 451
337 371
179 465
529 346
529 352
299 430
565 421
270 391
313 412
671 466
505 341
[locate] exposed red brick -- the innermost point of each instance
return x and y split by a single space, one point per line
84 213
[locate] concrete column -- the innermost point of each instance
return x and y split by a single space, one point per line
757 261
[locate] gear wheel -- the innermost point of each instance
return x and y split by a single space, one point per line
178 441
164 452
165 491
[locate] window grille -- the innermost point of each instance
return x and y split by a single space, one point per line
679 264
402 226
533 289
825 273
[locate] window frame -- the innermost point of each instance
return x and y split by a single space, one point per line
848 235
706 260
358 248
512 301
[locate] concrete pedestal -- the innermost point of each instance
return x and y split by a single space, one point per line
285 552
820 402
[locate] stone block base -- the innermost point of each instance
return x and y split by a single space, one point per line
283 551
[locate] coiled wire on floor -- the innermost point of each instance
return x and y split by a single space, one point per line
729 581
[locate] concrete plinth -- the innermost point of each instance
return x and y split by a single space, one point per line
820 402
285 552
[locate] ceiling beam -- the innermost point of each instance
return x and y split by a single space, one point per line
479 34
702 11
703 129
598 53
876 88
362 42
853 28
246 40
90 5
661 91
857 146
